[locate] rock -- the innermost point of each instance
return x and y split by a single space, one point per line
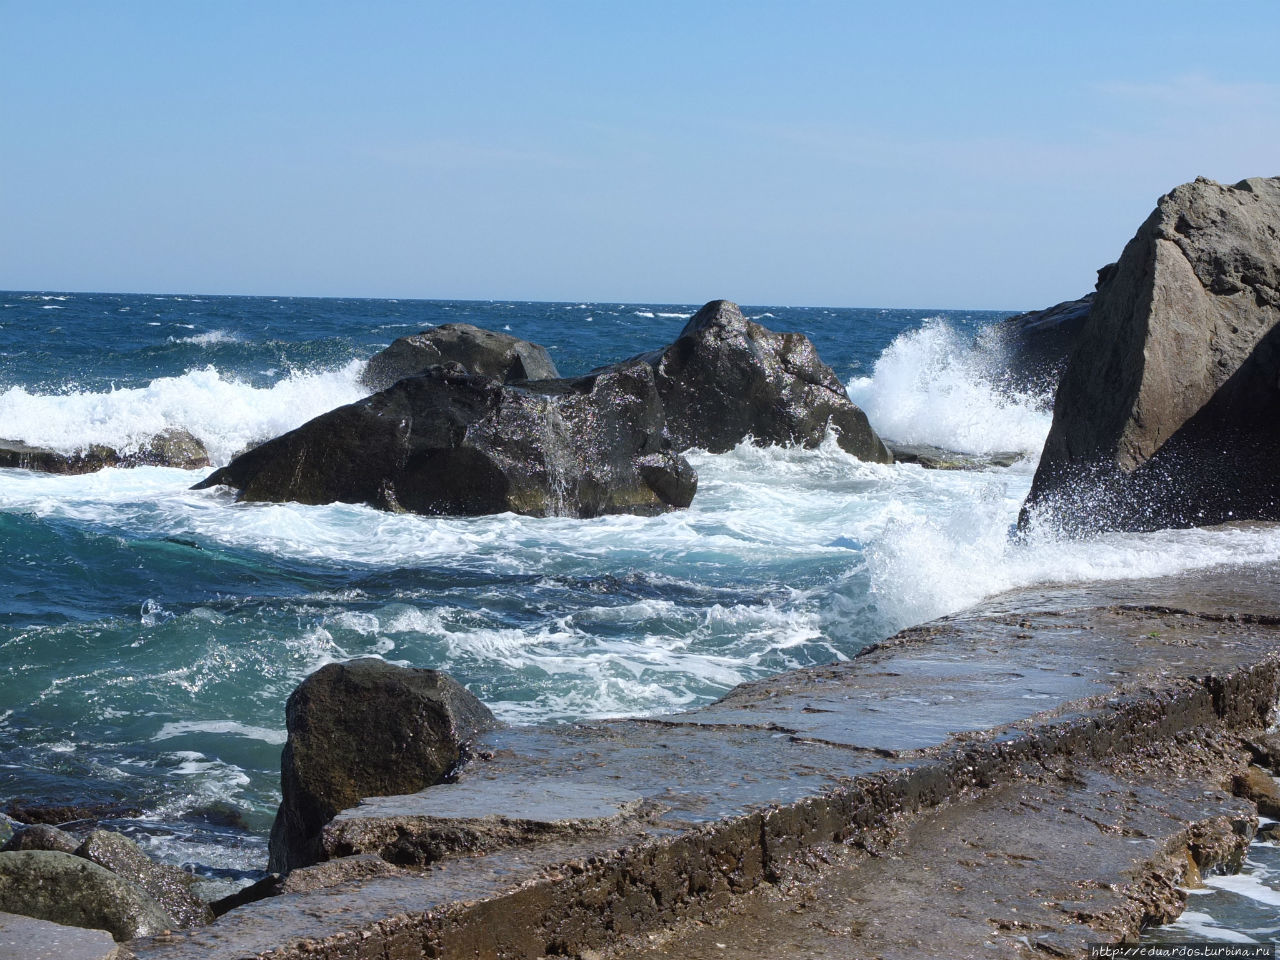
936 458
1035 345
62 888
168 886
34 811
726 379
1258 786
268 886
1269 833
454 443
359 729
26 938
172 448
496 355
366 866
41 837
7 827
21 456
1168 413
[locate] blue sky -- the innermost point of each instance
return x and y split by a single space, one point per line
850 154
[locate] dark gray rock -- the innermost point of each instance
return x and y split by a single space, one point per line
168 886
63 888
936 458
26 938
496 355
1168 413
1034 346
22 456
40 836
726 379
454 443
171 448
360 729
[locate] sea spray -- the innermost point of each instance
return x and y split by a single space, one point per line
938 385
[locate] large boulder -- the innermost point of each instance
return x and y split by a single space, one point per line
360 729
726 379
456 443
63 888
1168 413
26 938
168 886
497 355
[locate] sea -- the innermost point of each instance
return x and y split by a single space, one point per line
150 634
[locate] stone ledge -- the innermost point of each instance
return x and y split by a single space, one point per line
1066 682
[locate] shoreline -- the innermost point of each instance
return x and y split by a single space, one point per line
600 839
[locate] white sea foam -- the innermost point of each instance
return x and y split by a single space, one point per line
225 413
231 727
933 385
1246 885
1197 924
207 339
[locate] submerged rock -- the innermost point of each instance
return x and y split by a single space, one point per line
171 448
63 888
454 443
1168 413
168 886
360 729
936 458
497 355
726 379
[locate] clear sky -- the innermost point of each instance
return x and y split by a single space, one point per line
891 154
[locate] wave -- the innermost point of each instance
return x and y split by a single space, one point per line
209 339
223 412
935 385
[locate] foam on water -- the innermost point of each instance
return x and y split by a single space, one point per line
224 412
934 385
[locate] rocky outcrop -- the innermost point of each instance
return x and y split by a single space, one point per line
1168 413
496 355
168 886
360 729
455 443
172 448
63 888
726 379
1034 346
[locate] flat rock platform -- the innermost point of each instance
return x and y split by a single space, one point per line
1047 770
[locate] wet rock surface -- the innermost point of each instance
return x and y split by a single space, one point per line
936 458
726 379
1036 344
41 836
66 889
484 352
365 728
171 448
1098 729
25 938
454 443
168 886
1168 413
